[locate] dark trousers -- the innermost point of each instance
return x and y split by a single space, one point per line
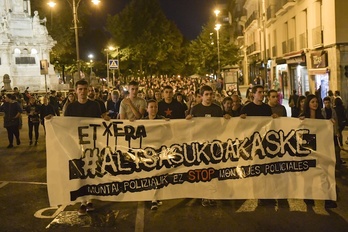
12 131
33 126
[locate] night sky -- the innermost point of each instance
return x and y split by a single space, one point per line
188 15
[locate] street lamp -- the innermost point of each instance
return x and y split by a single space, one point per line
108 50
75 7
217 28
90 56
51 4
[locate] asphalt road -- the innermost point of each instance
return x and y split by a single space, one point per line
24 204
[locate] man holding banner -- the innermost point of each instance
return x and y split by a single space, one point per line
132 107
84 107
207 109
257 107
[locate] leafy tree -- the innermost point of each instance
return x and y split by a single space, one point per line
149 43
203 52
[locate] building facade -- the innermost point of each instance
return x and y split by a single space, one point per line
294 44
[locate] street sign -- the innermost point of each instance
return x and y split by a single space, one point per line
113 64
43 67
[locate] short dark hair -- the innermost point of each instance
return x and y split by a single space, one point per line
271 91
255 87
149 101
81 82
226 99
135 83
205 88
338 101
167 87
327 99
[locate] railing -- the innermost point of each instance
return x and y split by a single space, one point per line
280 3
291 45
274 51
251 18
303 40
240 41
270 12
284 47
317 36
252 48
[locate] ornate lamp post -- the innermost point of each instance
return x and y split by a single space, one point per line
51 4
90 56
217 28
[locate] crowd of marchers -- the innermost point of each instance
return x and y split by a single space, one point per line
176 96
169 98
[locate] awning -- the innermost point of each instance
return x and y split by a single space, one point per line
293 54
316 71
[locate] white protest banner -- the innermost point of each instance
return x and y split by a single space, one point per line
215 158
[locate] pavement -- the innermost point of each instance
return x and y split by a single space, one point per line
24 204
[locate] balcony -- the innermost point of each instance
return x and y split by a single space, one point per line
284 47
240 41
291 45
282 6
288 4
303 40
252 20
317 34
253 49
270 14
274 51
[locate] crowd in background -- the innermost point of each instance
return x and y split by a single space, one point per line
185 90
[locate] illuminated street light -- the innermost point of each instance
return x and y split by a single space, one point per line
217 28
51 4
90 56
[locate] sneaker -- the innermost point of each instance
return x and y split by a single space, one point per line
212 202
10 146
205 202
267 202
330 204
309 201
82 210
18 142
90 207
343 162
30 143
35 143
154 205
159 203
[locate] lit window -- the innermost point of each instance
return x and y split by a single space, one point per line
33 51
17 51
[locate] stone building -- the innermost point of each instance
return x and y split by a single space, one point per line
294 44
24 41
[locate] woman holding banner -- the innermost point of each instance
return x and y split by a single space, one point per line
313 111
